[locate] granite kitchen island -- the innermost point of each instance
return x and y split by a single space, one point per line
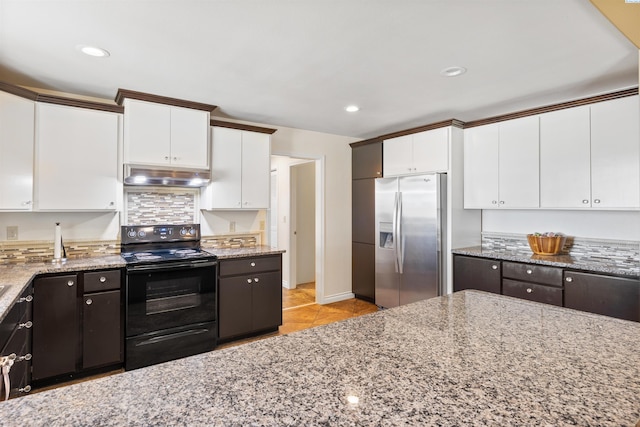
467 359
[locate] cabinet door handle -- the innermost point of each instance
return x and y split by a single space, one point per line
585 201
253 264
103 279
596 201
25 389
256 280
27 357
249 280
166 157
529 271
28 298
502 202
70 283
494 202
27 325
89 301
27 203
568 279
529 290
494 267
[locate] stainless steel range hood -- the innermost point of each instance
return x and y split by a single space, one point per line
141 175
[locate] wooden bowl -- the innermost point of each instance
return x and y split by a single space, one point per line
542 245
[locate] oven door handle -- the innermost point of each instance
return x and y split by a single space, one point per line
172 336
170 266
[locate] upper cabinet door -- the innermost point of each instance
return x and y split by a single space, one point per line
256 170
189 128
397 155
225 190
481 163
565 160
17 116
519 158
147 133
76 158
615 153
366 161
431 151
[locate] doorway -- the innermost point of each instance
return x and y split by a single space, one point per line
293 217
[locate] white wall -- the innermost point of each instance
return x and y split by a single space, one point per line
228 222
614 225
39 226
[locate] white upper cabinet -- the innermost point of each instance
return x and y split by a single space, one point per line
590 156
17 117
501 165
615 153
565 170
240 170
421 152
165 135
76 159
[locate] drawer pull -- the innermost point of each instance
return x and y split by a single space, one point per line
568 279
529 271
529 290
249 280
70 283
256 280
103 279
27 325
494 267
28 298
253 264
89 301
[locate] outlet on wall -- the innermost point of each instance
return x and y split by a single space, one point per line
12 232
232 226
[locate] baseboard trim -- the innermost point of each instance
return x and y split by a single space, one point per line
337 297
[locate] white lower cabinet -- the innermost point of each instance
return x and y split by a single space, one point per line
16 152
240 170
76 159
501 165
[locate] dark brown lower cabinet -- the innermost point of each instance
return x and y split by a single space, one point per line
75 331
532 292
249 296
363 271
102 342
612 296
56 326
476 273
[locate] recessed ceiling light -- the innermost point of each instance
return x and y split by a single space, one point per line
351 108
453 71
93 51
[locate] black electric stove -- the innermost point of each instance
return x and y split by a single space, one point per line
143 244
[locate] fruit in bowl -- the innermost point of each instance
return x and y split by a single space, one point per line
549 243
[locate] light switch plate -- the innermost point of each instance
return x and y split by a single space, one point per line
12 232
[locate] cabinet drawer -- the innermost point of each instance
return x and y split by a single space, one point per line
98 281
532 292
20 313
250 265
532 273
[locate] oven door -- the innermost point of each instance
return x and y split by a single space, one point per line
168 295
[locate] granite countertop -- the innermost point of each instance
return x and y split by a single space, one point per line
466 359
16 277
590 263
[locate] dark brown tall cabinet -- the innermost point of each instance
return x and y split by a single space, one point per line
366 166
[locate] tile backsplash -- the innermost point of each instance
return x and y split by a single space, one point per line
154 206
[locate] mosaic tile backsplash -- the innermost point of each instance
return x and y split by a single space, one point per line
147 207
624 253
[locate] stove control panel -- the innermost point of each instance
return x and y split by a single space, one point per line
159 233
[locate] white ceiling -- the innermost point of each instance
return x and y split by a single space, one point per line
298 63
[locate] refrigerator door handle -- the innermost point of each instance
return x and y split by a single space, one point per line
399 243
395 232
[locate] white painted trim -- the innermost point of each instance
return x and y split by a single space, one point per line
285 284
338 297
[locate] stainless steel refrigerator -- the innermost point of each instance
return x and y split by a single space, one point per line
410 227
